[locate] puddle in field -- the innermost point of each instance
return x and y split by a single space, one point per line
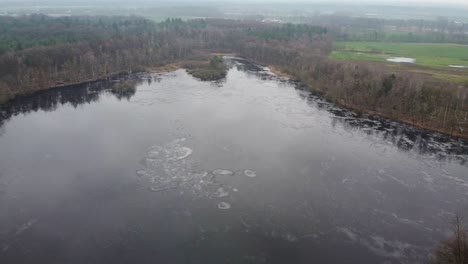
458 66
402 60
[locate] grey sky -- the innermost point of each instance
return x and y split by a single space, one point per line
446 3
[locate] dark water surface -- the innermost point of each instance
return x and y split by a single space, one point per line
252 169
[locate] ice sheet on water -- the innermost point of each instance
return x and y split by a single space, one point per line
220 193
250 173
169 166
347 232
290 237
183 153
141 173
25 226
380 246
224 206
222 172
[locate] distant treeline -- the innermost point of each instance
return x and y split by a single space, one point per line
132 44
401 36
40 30
348 28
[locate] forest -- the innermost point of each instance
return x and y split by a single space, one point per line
39 52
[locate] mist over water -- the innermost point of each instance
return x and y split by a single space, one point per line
250 169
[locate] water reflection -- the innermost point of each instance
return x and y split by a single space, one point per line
403 136
74 95
250 172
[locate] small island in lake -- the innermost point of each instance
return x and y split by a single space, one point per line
124 89
213 70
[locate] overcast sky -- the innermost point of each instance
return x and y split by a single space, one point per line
419 2
399 2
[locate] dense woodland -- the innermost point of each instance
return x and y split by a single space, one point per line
60 51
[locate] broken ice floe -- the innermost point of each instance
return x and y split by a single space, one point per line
220 193
224 206
222 172
250 173
171 166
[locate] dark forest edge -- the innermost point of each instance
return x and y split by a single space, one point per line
78 49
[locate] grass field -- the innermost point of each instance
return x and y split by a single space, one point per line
432 59
426 54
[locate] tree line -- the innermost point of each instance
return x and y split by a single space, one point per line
347 28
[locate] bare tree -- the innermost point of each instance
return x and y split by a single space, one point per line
455 249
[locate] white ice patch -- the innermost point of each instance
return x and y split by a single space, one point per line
183 153
290 238
350 234
141 173
224 206
25 226
250 173
220 193
402 60
222 172
427 177
169 167
380 246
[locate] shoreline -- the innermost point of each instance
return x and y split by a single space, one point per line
275 69
58 86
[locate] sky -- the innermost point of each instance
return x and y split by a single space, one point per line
358 2
266 1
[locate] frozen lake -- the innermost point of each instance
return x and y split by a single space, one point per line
251 169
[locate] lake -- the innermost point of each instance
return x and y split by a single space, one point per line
249 169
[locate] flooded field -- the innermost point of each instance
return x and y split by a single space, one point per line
250 169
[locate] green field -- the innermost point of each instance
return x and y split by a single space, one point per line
426 54
431 58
